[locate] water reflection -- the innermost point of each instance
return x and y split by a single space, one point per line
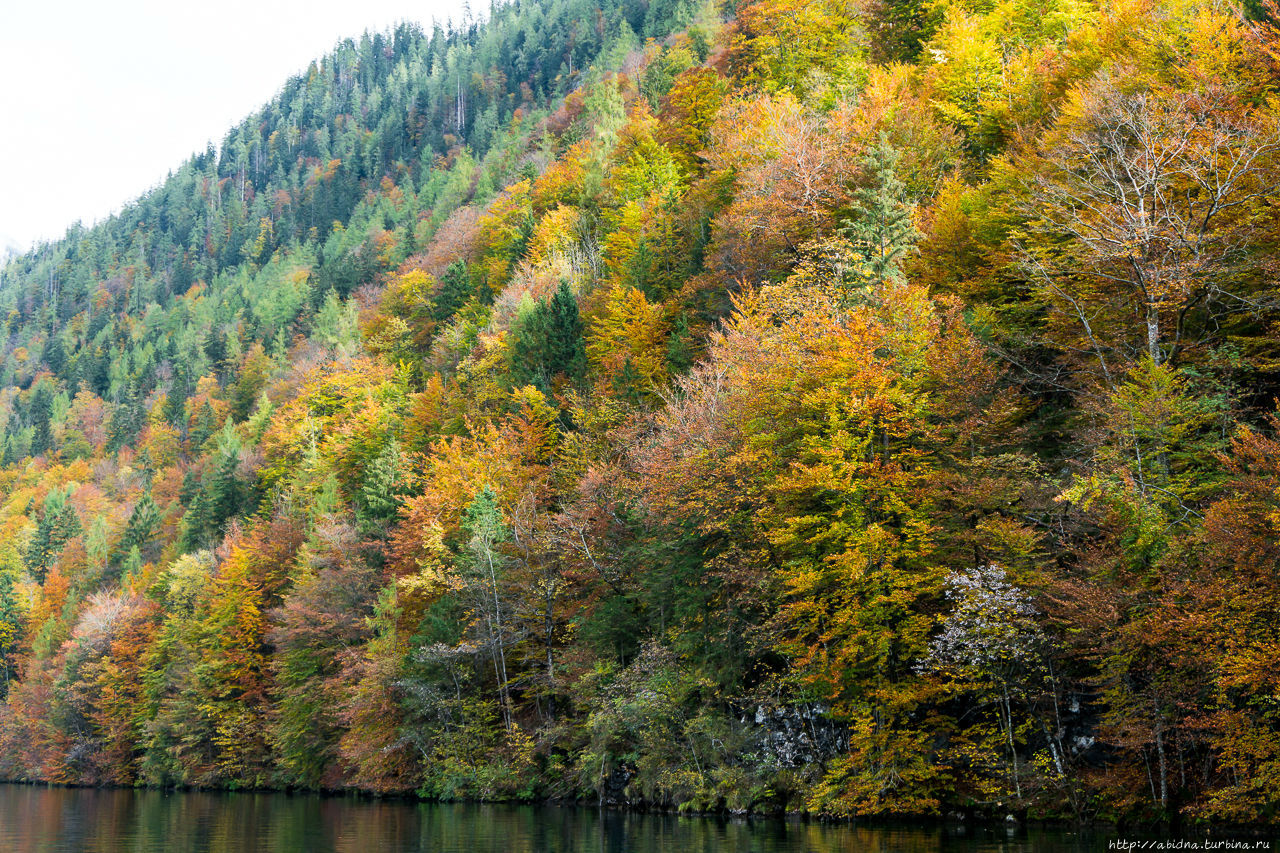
54 820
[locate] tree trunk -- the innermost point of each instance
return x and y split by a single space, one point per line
1013 749
1153 332
1164 768
501 655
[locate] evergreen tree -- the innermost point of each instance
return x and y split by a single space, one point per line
549 343
132 564
225 492
627 383
455 287
881 228
197 523
380 491
41 414
126 419
58 524
96 371
55 354
12 622
11 431
206 421
680 346
142 524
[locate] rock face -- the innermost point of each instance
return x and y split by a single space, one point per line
797 735
614 790
800 734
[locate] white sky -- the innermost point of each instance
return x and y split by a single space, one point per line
100 99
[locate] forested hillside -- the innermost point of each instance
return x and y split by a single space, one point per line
849 408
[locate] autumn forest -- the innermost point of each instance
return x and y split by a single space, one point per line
852 407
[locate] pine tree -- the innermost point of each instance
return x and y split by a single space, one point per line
12 624
383 481
549 343
142 524
881 229
58 525
41 414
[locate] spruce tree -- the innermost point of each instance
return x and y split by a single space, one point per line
11 431
226 495
127 418
12 625
680 346
455 287
548 343
566 353
41 414
58 525
142 524
196 523
55 354
881 229
383 480
206 421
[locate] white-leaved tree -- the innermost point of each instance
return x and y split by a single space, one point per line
991 644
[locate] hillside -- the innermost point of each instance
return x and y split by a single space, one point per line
855 409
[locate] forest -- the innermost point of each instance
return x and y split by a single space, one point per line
848 408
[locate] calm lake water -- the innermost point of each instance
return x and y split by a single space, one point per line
56 820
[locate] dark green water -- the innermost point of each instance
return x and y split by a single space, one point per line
56 820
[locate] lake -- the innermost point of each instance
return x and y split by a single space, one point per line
62 820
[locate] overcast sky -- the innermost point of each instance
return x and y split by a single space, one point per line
100 99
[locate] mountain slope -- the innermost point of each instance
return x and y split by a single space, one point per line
851 410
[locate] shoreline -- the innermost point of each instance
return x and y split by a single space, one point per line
953 820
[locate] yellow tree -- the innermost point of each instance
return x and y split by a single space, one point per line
1142 206
822 447
628 342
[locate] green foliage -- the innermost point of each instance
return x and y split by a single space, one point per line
13 618
453 293
59 523
881 229
547 346
618 403
383 485
142 524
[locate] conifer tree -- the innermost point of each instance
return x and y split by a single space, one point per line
126 420
206 421
881 229
383 481
679 346
11 431
142 524
454 290
226 496
59 523
549 343
41 413
12 621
